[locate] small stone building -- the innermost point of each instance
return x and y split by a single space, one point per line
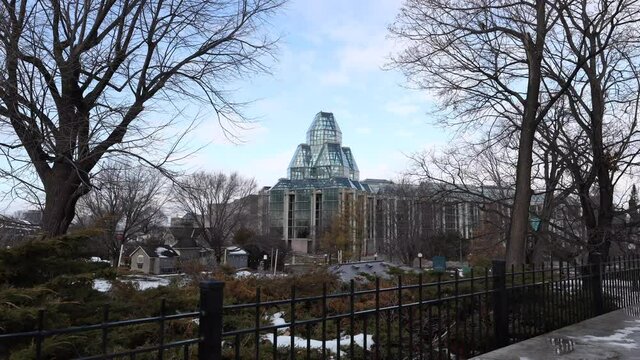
160 259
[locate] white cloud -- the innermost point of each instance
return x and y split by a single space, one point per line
354 37
357 59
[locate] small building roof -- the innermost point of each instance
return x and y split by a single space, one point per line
186 237
234 250
159 251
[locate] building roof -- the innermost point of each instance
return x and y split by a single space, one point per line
312 184
323 155
234 250
159 251
186 237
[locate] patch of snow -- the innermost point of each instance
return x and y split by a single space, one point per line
244 274
147 282
284 341
608 284
98 259
277 319
140 282
619 338
234 250
358 339
159 251
101 285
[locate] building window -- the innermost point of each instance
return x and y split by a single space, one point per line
140 261
450 217
290 216
318 212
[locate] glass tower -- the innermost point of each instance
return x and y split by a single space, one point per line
323 156
322 182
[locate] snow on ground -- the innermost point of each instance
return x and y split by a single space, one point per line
618 283
619 338
140 282
284 341
97 259
147 282
277 319
101 285
243 274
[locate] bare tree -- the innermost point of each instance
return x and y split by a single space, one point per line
602 103
126 202
479 55
478 174
409 221
216 203
76 79
488 63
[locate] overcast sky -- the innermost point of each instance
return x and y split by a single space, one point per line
330 59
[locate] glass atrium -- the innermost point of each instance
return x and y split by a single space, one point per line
321 174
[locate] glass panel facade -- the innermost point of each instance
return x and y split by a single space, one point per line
276 209
451 217
302 223
354 173
330 205
324 129
323 156
300 165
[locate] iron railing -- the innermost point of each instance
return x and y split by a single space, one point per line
427 316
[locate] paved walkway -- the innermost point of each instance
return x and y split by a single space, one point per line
615 335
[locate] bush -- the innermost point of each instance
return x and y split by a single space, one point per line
41 260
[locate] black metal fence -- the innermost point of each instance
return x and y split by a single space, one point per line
427 316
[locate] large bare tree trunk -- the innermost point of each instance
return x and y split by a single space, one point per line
599 238
63 189
519 225
516 244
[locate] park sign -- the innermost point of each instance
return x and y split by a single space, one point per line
439 263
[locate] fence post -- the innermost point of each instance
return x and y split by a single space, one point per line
210 329
500 310
596 283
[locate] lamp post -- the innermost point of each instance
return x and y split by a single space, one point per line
420 260
264 259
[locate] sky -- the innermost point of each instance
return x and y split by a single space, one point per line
330 58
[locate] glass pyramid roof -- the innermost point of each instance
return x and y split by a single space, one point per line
323 156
